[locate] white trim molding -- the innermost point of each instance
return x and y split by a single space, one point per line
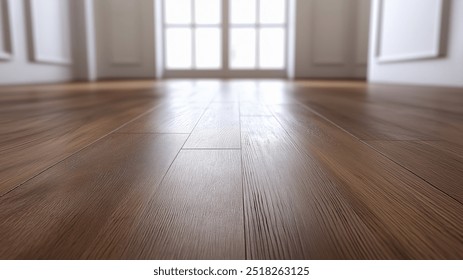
434 52
37 55
6 51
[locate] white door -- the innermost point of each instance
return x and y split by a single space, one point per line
225 38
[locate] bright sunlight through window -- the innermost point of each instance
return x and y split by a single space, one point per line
251 37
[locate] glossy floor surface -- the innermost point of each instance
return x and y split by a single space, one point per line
231 170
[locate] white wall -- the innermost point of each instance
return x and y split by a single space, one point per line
35 43
332 38
116 39
5 31
125 38
417 42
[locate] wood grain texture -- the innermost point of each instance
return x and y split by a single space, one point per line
254 109
209 169
264 92
369 121
442 169
170 118
219 128
296 209
394 202
196 213
454 148
59 212
37 133
376 113
438 99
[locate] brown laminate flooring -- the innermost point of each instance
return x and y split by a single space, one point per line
239 169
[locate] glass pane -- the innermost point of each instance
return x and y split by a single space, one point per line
272 48
208 48
208 11
178 48
242 48
242 11
177 11
272 11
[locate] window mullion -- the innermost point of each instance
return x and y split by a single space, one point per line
193 34
225 35
257 28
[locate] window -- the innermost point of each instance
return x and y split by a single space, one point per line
257 34
193 34
225 36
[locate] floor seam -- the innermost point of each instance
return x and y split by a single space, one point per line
78 151
184 143
242 182
402 166
366 144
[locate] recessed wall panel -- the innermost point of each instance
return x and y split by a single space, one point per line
409 29
5 31
125 31
50 30
329 34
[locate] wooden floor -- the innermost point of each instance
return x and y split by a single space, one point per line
231 170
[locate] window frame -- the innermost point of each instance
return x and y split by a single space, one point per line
225 71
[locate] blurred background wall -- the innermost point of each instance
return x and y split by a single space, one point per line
401 41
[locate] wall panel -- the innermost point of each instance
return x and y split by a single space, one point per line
330 24
417 42
125 38
50 26
5 30
50 44
409 29
331 38
125 35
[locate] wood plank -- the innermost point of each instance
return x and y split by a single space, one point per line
419 220
39 116
57 214
264 92
454 148
169 118
441 169
369 121
389 112
295 208
111 85
225 95
311 189
196 213
219 128
254 109
41 134
439 99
